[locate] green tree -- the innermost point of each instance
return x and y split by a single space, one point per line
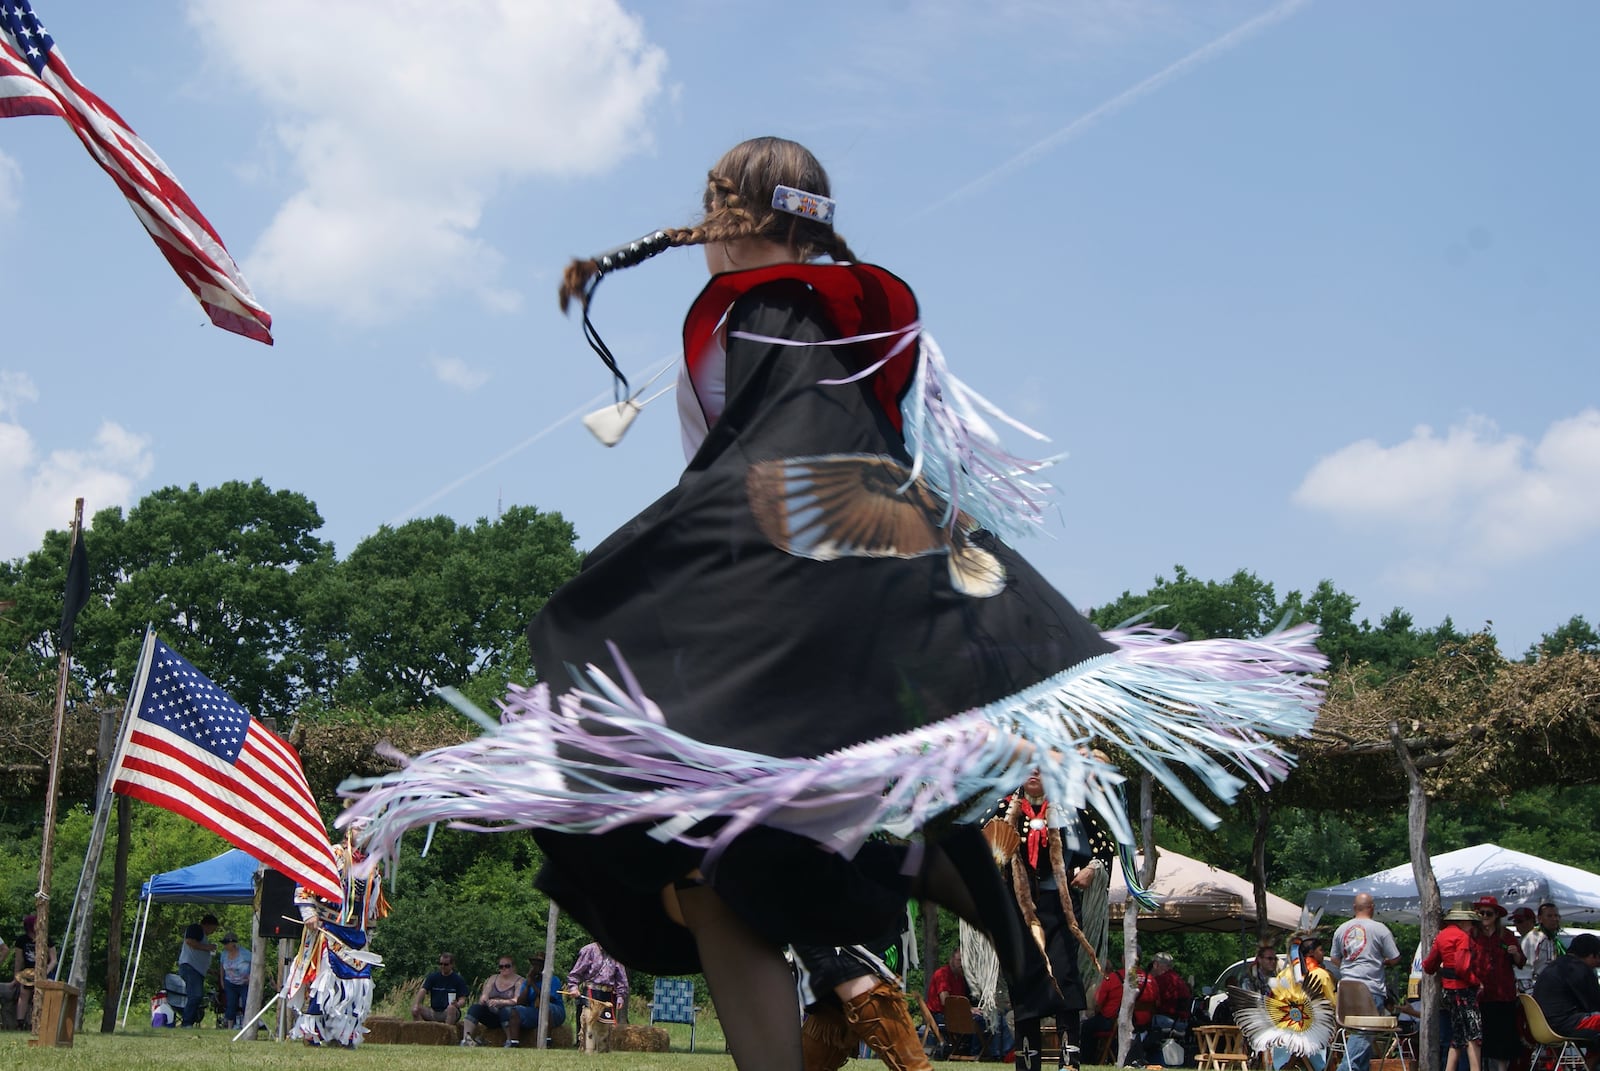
220 573
1243 605
1576 635
432 603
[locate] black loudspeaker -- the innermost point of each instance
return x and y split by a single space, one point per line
276 908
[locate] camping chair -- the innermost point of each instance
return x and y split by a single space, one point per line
958 1023
672 1001
1221 1047
1544 1037
1354 1013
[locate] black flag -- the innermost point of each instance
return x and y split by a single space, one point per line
77 589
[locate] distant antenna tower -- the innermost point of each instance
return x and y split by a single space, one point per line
499 500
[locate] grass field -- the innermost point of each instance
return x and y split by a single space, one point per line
211 1050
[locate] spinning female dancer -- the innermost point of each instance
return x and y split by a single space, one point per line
768 701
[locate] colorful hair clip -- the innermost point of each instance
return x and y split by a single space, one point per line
800 203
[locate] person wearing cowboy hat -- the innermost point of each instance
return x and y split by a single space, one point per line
1498 955
1451 959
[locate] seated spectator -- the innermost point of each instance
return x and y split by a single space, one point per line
1312 955
1569 994
26 963
527 1017
1108 1005
497 1004
1173 996
950 981
1262 970
443 994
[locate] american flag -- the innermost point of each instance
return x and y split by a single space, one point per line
35 80
192 750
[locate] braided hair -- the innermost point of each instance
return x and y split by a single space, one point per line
736 204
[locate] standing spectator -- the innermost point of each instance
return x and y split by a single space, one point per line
1497 954
1543 945
1451 958
1569 994
497 1004
235 963
528 1003
194 963
443 994
602 986
1525 921
1362 948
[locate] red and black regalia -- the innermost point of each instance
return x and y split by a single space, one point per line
1051 846
816 649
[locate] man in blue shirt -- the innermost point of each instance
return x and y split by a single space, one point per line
527 1011
445 991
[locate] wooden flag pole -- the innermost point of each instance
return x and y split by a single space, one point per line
82 919
41 899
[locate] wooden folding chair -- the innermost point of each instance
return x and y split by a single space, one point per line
959 1023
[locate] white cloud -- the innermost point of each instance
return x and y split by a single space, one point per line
401 118
38 490
454 372
1478 498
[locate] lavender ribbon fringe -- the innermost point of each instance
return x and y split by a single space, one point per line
953 448
600 758
958 454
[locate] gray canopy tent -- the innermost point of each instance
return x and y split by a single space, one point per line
1514 878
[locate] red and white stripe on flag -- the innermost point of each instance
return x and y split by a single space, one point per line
35 80
191 750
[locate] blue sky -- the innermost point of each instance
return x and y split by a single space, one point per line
1307 288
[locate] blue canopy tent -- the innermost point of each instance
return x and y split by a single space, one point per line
230 878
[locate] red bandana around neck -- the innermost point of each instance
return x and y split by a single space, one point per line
1038 830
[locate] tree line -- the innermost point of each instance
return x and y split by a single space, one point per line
346 652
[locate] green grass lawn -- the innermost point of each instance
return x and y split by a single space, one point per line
206 1049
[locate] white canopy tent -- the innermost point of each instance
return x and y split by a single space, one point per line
1513 878
1197 896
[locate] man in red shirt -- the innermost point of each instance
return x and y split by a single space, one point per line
1172 992
948 981
1107 1005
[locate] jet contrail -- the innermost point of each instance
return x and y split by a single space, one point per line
1203 54
412 510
